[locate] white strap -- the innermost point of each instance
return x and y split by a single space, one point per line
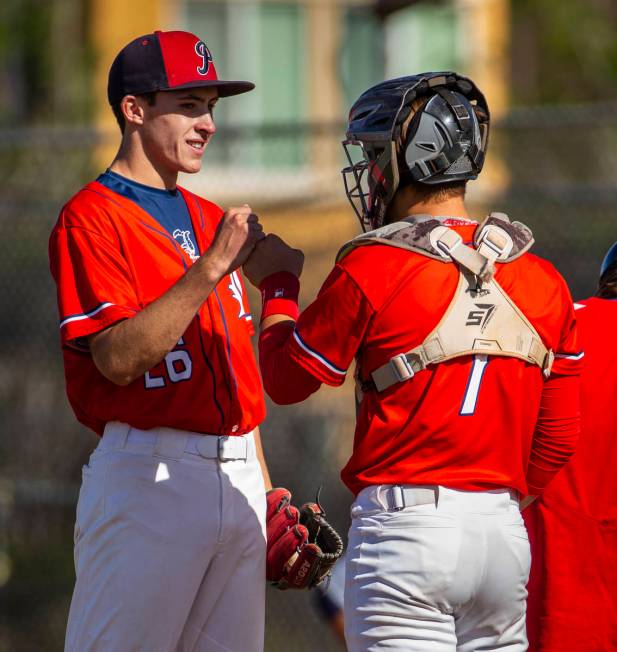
477 263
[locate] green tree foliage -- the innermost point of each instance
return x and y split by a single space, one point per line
45 61
564 51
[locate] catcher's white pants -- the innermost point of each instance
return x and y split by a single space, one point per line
445 573
169 546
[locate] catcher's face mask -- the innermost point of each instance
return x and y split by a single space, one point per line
370 181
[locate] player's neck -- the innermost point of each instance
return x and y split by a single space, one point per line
452 207
406 202
132 162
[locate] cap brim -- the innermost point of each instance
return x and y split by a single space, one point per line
225 88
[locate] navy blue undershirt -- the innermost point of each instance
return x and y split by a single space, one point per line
167 207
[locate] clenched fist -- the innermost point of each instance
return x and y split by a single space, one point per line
236 235
272 255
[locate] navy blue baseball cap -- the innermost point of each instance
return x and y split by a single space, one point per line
609 260
166 61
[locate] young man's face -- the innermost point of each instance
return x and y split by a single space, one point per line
178 127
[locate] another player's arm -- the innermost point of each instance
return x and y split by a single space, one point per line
126 350
295 361
262 460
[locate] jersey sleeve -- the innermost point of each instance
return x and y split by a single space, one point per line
329 332
296 359
93 282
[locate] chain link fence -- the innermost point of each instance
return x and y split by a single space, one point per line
552 168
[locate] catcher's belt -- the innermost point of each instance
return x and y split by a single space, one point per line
481 318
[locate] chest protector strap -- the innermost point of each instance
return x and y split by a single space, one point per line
481 318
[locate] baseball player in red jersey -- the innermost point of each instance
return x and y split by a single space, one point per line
467 369
573 526
155 330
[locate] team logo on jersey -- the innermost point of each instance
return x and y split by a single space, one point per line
184 239
236 292
482 316
202 51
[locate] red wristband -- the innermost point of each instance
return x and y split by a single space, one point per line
279 295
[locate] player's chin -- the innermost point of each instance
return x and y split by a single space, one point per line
190 166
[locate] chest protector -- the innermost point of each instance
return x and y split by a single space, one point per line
481 319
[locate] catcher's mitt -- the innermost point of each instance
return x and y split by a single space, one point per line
302 545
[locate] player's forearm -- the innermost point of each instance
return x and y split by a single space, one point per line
128 349
285 381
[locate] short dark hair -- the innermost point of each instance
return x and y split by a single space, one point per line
439 192
150 99
607 286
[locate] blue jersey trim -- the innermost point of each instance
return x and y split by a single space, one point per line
211 368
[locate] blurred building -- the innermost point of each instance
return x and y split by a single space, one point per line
310 59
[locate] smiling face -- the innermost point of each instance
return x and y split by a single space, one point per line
176 129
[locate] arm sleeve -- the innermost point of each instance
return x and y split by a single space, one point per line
557 430
559 421
94 283
296 359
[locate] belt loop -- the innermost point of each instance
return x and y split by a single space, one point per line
398 499
170 443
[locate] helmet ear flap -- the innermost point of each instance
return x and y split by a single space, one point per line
410 118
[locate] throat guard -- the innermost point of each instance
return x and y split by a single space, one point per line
481 318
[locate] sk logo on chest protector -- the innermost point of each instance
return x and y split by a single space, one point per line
202 50
482 316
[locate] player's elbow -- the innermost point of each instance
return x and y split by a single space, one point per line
288 394
115 370
118 376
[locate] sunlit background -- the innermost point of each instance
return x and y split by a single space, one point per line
548 69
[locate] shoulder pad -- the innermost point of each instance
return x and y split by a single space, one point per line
515 238
412 234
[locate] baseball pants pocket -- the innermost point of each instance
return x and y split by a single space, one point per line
399 569
495 618
90 504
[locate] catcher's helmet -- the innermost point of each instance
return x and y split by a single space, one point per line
443 141
610 260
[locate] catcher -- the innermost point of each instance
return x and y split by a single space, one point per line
467 369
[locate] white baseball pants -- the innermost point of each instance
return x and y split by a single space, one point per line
431 569
169 545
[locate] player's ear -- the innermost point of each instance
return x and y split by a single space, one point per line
132 109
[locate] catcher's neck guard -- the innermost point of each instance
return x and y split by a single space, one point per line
443 141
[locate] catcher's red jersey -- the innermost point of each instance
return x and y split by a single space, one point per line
573 527
110 259
467 423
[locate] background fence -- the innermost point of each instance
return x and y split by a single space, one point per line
553 169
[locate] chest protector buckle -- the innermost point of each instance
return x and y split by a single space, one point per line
481 318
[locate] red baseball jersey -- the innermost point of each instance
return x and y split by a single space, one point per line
110 259
573 527
467 423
